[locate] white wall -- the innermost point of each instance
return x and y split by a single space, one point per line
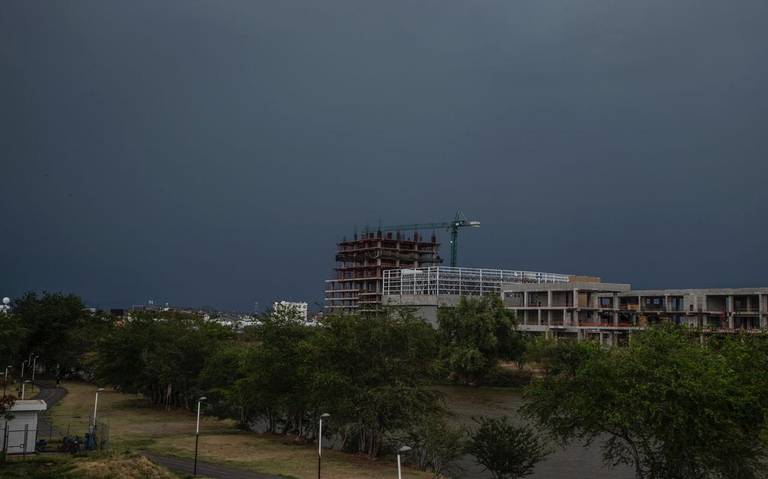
16 432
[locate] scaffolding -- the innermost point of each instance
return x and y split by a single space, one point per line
443 280
361 262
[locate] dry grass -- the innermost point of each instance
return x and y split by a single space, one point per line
130 417
30 391
135 423
116 466
271 454
137 467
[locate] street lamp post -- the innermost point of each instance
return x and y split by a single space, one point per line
96 408
197 434
402 450
5 379
21 379
34 367
92 442
320 442
24 389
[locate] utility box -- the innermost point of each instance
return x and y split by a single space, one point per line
21 430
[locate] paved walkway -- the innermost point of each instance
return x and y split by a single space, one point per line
205 469
51 394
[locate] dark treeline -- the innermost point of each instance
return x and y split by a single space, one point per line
369 375
372 374
54 326
673 404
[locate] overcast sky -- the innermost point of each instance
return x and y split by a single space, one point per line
213 152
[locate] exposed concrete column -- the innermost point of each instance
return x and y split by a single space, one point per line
539 311
575 298
525 299
729 309
549 298
549 318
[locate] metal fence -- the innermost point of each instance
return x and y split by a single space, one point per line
18 440
443 280
79 434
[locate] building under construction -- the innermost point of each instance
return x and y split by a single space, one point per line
361 262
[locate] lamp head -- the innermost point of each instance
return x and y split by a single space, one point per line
202 398
404 449
99 390
325 415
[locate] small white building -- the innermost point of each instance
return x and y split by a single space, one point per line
300 309
21 430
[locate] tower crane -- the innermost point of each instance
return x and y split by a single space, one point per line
460 221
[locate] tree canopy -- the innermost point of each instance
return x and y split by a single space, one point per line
505 450
475 335
668 405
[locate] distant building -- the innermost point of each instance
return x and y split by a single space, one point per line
610 312
579 307
288 307
426 289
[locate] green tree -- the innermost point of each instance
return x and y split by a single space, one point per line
53 322
275 382
372 374
435 443
12 338
160 355
668 406
221 378
475 335
505 450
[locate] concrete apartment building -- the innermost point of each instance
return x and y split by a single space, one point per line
610 312
426 289
579 307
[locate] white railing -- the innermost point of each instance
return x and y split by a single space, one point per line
444 280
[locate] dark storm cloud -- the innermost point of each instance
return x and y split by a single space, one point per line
213 152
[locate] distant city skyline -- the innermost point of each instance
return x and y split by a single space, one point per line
213 153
